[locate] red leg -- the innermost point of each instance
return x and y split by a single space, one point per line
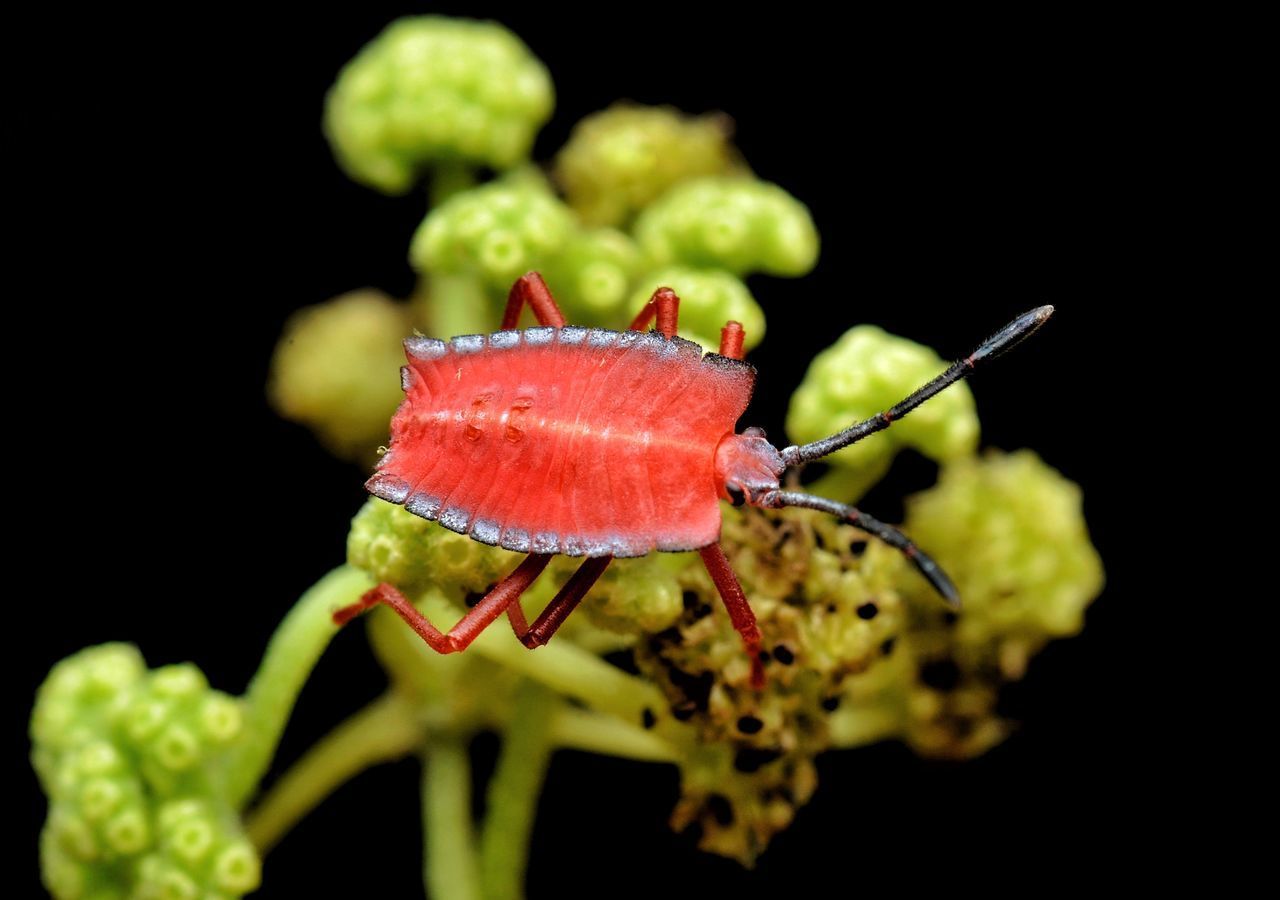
731 337
744 620
666 305
503 595
560 606
533 290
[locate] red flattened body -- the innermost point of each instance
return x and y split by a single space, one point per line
571 440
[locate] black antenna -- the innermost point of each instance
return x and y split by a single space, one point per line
1006 338
887 533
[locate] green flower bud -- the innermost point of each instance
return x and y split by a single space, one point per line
116 747
865 372
592 276
708 299
621 159
1011 532
736 224
432 90
201 847
74 702
98 810
496 232
176 727
336 370
395 546
638 595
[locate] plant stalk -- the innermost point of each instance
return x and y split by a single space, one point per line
450 869
385 730
290 656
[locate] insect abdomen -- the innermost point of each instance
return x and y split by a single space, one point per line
577 441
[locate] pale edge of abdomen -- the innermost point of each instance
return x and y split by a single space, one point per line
578 441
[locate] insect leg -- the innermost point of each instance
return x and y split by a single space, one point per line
503 594
744 620
561 605
533 290
731 338
666 306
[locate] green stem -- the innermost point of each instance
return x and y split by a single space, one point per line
456 304
447 179
584 730
561 666
449 868
417 669
290 657
384 730
513 794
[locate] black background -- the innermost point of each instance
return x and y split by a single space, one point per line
185 203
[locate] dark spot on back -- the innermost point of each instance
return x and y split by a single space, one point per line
474 597
690 599
783 655
648 719
868 610
830 704
750 725
857 548
684 710
887 646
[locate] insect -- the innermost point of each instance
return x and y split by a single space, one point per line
602 444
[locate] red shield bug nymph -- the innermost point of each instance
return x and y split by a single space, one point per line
602 444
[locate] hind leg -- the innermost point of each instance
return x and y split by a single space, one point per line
459 637
565 602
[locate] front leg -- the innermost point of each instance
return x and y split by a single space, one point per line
561 605
740 612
